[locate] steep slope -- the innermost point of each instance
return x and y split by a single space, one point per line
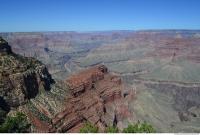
21 78
92 95
57 50
163 67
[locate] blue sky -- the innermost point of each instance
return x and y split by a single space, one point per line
94 15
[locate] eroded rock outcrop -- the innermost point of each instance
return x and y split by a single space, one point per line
93 95
91 90
4 47
62 107
21 78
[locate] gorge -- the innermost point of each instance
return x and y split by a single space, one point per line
148 76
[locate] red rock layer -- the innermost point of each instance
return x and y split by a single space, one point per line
84 80
91 90
95 97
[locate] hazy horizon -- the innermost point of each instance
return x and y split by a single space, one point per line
134 30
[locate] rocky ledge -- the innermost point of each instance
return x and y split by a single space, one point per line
4 47
21 78
91 90
93 95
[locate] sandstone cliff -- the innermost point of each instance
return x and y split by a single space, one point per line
92 95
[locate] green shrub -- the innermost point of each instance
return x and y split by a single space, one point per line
139 128
112 129
132 128
15 124
2 115
89 128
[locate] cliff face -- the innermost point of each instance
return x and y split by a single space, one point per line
157 63
4 47
91 90
21 78
26 85
92 95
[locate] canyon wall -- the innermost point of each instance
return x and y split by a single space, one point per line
92 95
21 78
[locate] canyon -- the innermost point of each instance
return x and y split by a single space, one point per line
86 95
150 76
87 100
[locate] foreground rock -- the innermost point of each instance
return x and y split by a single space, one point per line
4 47
91 90
93 95
21 78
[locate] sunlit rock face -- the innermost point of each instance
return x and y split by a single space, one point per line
92 90
92 95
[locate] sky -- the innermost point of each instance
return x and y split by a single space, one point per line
98 15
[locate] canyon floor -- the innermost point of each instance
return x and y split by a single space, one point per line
160 73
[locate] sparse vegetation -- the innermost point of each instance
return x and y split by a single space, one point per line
14 63
132 128
15 124
37 113
89 128
112 129
2 115
139 128
2 41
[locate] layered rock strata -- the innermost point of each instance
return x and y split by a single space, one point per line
92 95
90 91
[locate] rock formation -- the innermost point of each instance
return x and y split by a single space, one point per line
88 98
154 62
91 90
21 78
58 107
4 47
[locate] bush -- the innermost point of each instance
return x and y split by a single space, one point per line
139 128
89 128
16 124
2 115
112 129
132 128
